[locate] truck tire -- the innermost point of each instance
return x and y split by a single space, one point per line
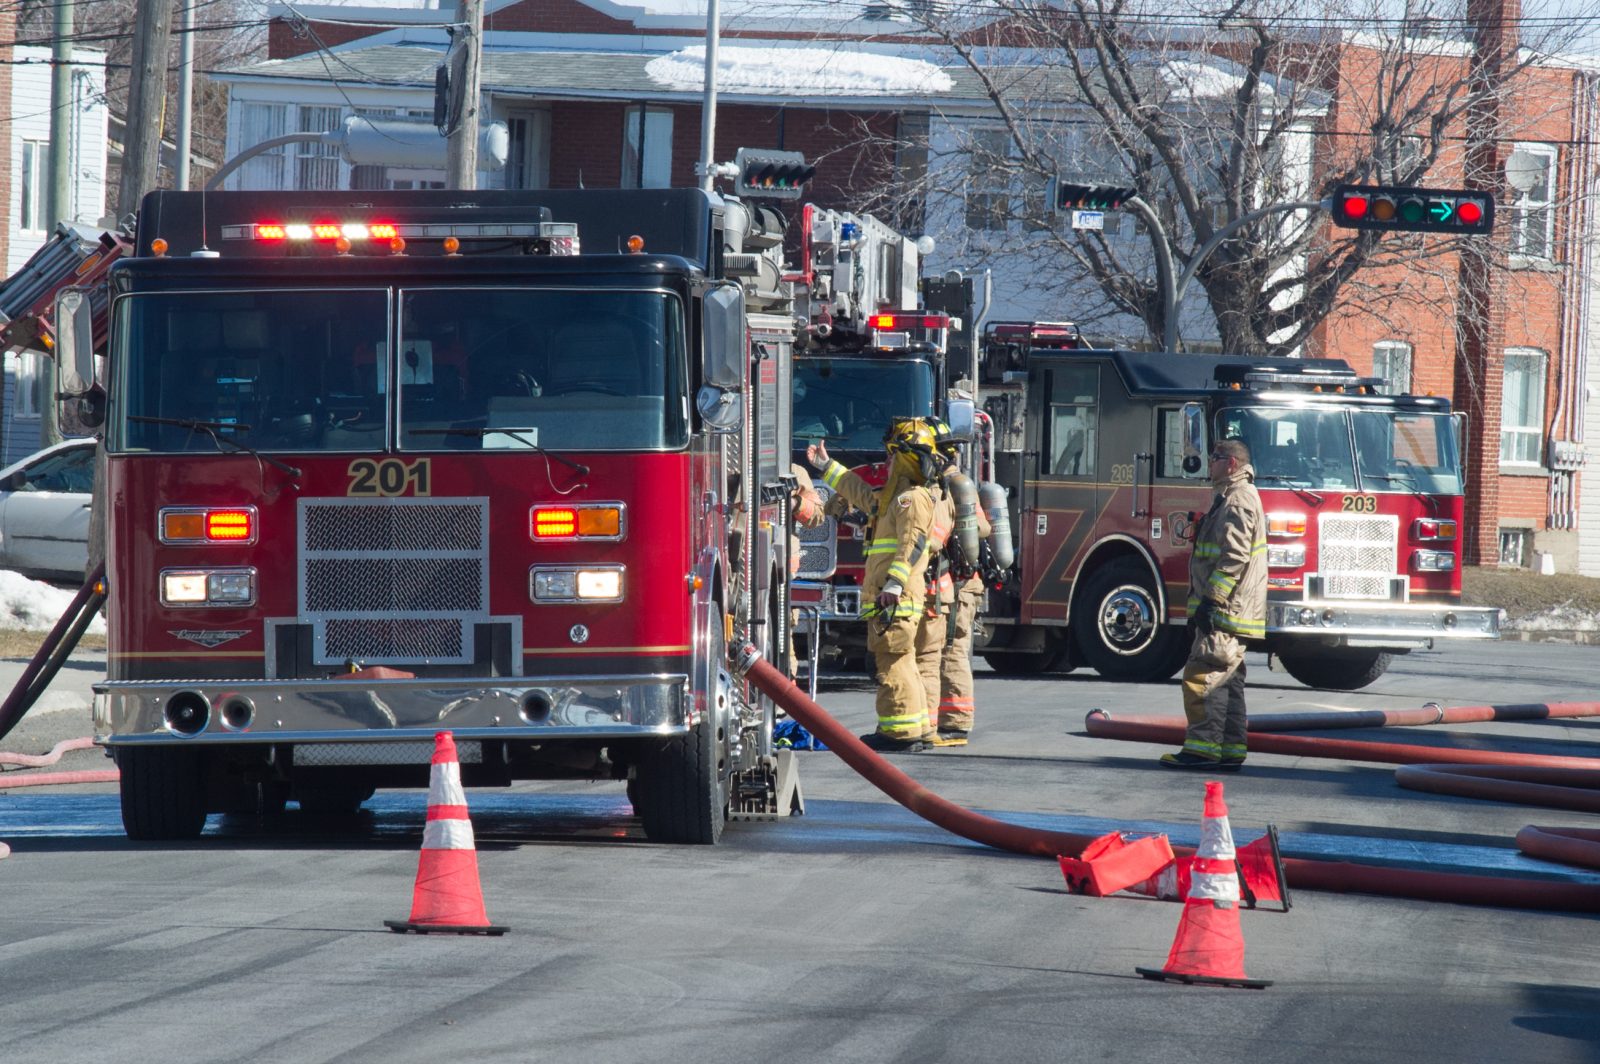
1116 618
680 787
163 792
1336 668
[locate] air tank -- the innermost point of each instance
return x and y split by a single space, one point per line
964 495
993 499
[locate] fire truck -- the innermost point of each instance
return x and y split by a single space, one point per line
867 352
1101 452
386 463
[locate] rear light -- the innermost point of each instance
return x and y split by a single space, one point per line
908 321
196 525
574 583
1433 561
598 521
1433 528
1286 524
1286 556
208 587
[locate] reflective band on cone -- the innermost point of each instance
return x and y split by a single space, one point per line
1209 945
447 897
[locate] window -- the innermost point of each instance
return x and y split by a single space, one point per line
1532 174
1391 360
35 185
261 122
1522 407
1074 417
1514 546
989 181
317 165
1038 213
32 375
1172 448
647 147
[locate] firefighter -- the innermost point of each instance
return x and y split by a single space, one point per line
1227 605
944 643
805 507
900 519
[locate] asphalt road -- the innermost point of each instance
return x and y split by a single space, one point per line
854 933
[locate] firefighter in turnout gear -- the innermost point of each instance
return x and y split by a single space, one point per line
900 518
1227 606
955 594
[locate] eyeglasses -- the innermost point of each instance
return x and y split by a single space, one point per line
1216 457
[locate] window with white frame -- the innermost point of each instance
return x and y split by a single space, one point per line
259 122
31 375
528 159
317 164
1522 407
1391 360
989 180
35 185
647 147
1532 211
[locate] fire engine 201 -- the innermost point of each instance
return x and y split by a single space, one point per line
1101 451
385 463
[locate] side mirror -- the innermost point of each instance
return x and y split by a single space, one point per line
74 327
961 415
725 352
1194 437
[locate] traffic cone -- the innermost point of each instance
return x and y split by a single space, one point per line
1209 945
1111 863
447 898
1261 878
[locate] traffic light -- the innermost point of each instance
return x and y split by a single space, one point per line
770 173
1092 197
1413 210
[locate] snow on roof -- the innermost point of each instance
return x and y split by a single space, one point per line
799 70
1200 81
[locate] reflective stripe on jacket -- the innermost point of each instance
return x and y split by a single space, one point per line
898 540
1229 564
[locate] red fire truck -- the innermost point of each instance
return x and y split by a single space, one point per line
384 463
1101 454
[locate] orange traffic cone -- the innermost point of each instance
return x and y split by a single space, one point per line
1261 878
1209 946
447 897
1111 863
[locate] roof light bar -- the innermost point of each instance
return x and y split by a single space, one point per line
560 232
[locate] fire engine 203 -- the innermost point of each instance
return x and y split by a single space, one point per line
1101 452
392 462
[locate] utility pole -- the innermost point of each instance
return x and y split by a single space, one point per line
58 205
185 95
708 105
466 68
141 150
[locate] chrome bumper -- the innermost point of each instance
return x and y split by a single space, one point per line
1377 623
306 711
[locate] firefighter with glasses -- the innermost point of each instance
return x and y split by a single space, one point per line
900 518
1227 606
955 592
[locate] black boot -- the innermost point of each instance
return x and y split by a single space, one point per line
883 744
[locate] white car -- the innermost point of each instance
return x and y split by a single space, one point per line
44 512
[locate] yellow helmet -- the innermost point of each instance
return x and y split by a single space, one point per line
914 448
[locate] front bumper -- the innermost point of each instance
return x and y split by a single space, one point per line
1378 624
334 710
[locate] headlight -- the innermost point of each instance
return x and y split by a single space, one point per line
575 583
208 587
1286 556
1433 561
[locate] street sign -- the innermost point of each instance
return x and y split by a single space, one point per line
1088 219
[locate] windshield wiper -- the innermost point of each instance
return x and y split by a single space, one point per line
484 430
1298 489
211 428
1408 480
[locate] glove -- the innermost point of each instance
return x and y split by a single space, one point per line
1201 620
887 601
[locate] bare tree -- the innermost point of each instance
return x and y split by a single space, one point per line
1212 109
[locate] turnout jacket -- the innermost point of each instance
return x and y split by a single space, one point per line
899 540
1229 564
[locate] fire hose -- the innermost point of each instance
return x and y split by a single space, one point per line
1303 873
1528 779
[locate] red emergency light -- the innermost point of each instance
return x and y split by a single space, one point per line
909 321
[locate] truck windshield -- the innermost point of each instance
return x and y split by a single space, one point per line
571 369
1409 452
1307 447
849 402
275 370
294 370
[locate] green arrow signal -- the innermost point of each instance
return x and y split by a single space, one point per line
1442 210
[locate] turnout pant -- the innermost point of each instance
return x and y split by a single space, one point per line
1213 697
931 627
902 706
955 671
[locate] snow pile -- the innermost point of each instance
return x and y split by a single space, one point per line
1199 81
792 71
31 605
1564 618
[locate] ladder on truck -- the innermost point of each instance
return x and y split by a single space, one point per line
76 255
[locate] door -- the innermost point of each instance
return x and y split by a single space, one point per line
44 514
1062 490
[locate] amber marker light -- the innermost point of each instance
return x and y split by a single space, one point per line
635 244
397 246
158 247
452 246
342 246
183 526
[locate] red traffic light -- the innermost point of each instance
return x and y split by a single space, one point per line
1353 206
1469 212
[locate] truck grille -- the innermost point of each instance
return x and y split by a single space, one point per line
1356 555
819 546
393 581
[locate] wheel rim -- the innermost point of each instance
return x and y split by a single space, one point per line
1127 620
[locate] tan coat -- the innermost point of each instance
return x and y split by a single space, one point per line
898 541
1229 564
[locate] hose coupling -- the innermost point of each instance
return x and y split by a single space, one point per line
745 657
1438 711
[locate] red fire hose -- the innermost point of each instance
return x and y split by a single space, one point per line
1302 873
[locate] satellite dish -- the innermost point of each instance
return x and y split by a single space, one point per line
1524 170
